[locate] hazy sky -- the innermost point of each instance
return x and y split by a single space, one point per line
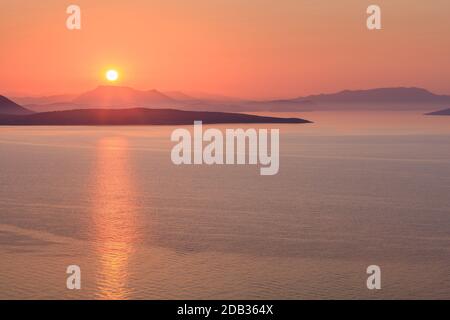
246 48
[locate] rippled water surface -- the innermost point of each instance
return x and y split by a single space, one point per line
353 190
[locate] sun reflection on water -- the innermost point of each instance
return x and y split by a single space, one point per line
114 218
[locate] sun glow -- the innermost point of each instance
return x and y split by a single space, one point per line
112 75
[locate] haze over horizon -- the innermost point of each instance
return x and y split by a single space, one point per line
203 94
224 47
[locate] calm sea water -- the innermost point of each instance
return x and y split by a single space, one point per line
353 190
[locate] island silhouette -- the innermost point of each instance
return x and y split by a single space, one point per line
444 112
9 107
136 116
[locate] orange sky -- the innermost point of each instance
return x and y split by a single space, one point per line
245 48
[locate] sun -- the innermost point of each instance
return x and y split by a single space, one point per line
112 75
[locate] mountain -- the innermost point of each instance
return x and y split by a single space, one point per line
285 105
44 100
213 97
378 99
399 95
59 106
381 95
445 112
115 96
137 116
180 96
9 107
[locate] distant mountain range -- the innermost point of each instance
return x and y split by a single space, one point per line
44 99
125 97
9 107
445 112
381 96
136 116
113 96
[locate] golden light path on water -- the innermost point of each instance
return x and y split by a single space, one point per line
114 218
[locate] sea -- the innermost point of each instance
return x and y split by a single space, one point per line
354 189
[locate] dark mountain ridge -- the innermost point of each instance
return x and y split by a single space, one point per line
9 107
444 112
137 116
